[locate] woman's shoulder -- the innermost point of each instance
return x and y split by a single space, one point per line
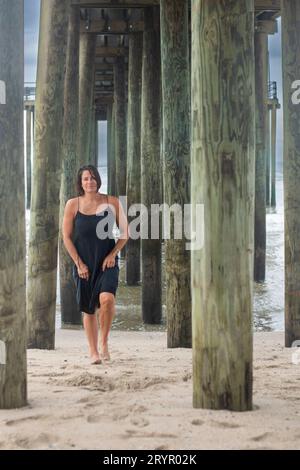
113 201
72 205
71 202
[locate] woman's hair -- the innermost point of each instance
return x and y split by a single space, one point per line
93 171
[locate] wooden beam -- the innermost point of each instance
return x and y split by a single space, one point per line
106 51
114 3
104 67
111 27
267 5
99 101
104 88
104 78
260 5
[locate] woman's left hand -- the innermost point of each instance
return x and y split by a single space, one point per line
109 262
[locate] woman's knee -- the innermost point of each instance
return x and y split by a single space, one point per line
107 299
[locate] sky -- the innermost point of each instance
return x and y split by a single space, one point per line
32 9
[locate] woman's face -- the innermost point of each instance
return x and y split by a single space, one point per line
88 182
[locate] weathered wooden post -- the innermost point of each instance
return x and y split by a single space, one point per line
44 220
87 51
273 106
28 156
112 168
290 11
13 382
70 314
267 137
96 142
263 28
151 165
176 164
222 172
109 145
261 87
133 191
92 158
120 125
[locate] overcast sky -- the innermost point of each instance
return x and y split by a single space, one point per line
32 10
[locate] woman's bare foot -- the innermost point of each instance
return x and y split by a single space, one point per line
104 352
95 358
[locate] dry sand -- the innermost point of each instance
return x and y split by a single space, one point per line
142 399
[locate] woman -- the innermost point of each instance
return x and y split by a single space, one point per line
96 269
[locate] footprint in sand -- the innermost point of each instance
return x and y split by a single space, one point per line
137 433
136 408
140 422
260 437
13 422
94 419
224 424
40 441
187 377
162 447
197 422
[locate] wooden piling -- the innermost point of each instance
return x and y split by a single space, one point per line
176 164
133 190
112 168
151 165
13 381
261 111
273 109
96 143
291 167
109 145
44 220
70 313
120 125
222 170
267 138
87 51
28 156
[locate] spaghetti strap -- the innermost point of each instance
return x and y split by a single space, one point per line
78 203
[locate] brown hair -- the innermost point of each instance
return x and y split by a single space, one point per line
93 172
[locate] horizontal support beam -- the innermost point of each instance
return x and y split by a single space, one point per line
267 5
104 67
111 27
114 3
103 100
260 5
104 78
107 51
103 90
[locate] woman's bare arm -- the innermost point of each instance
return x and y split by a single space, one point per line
67 231
122 223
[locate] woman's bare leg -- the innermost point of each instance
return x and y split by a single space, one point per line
106 316
91 328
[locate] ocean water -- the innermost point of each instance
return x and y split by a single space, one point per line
268 301
268 308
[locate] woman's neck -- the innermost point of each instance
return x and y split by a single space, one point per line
91 197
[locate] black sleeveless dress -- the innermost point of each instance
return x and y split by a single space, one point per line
92 250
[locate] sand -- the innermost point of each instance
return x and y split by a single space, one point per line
142 399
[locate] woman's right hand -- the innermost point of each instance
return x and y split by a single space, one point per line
83 271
